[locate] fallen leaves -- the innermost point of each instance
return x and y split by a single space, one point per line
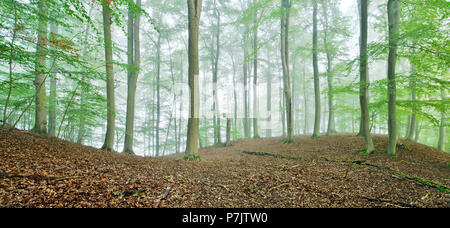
38 171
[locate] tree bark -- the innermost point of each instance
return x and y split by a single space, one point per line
393 21
52 97
39 82
110 125
442 139
331 128
133 66
317 107
81 120
255 74
285 8
217 135
412 123
245 70
194 12
364 84
158 93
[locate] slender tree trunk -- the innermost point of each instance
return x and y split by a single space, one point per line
245 71
158 93
84 87
316 132
364 84
228 143
52 97
194 11
39 82
218 138
255 74
305 98
412 123
110 125
285 8
10 63
442 139
133 71
269 98
331 128
393 21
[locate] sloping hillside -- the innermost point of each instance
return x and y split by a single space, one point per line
40 171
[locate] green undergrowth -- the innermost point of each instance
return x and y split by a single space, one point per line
192 158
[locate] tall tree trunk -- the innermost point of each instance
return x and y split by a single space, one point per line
412 123
269 98
158 93
285 8
255 74
317 107
442 139
245 71
52 97
331 128
84 86
39 82
194 11
364 84
393 21
305 98
133 66
110 125
217 136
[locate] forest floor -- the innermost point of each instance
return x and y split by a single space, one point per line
41 171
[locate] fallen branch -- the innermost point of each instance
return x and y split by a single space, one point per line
401 204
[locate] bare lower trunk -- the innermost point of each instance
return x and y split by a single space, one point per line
285 65
39 82
228 143
316 131
393 21
110 125
364 84
133 66
194 11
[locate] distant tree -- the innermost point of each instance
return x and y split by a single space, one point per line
316 132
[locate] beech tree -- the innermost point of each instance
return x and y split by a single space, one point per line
364 82
194 12
41 74
393 8
110 123
133 72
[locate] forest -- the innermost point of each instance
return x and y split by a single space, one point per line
235 96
